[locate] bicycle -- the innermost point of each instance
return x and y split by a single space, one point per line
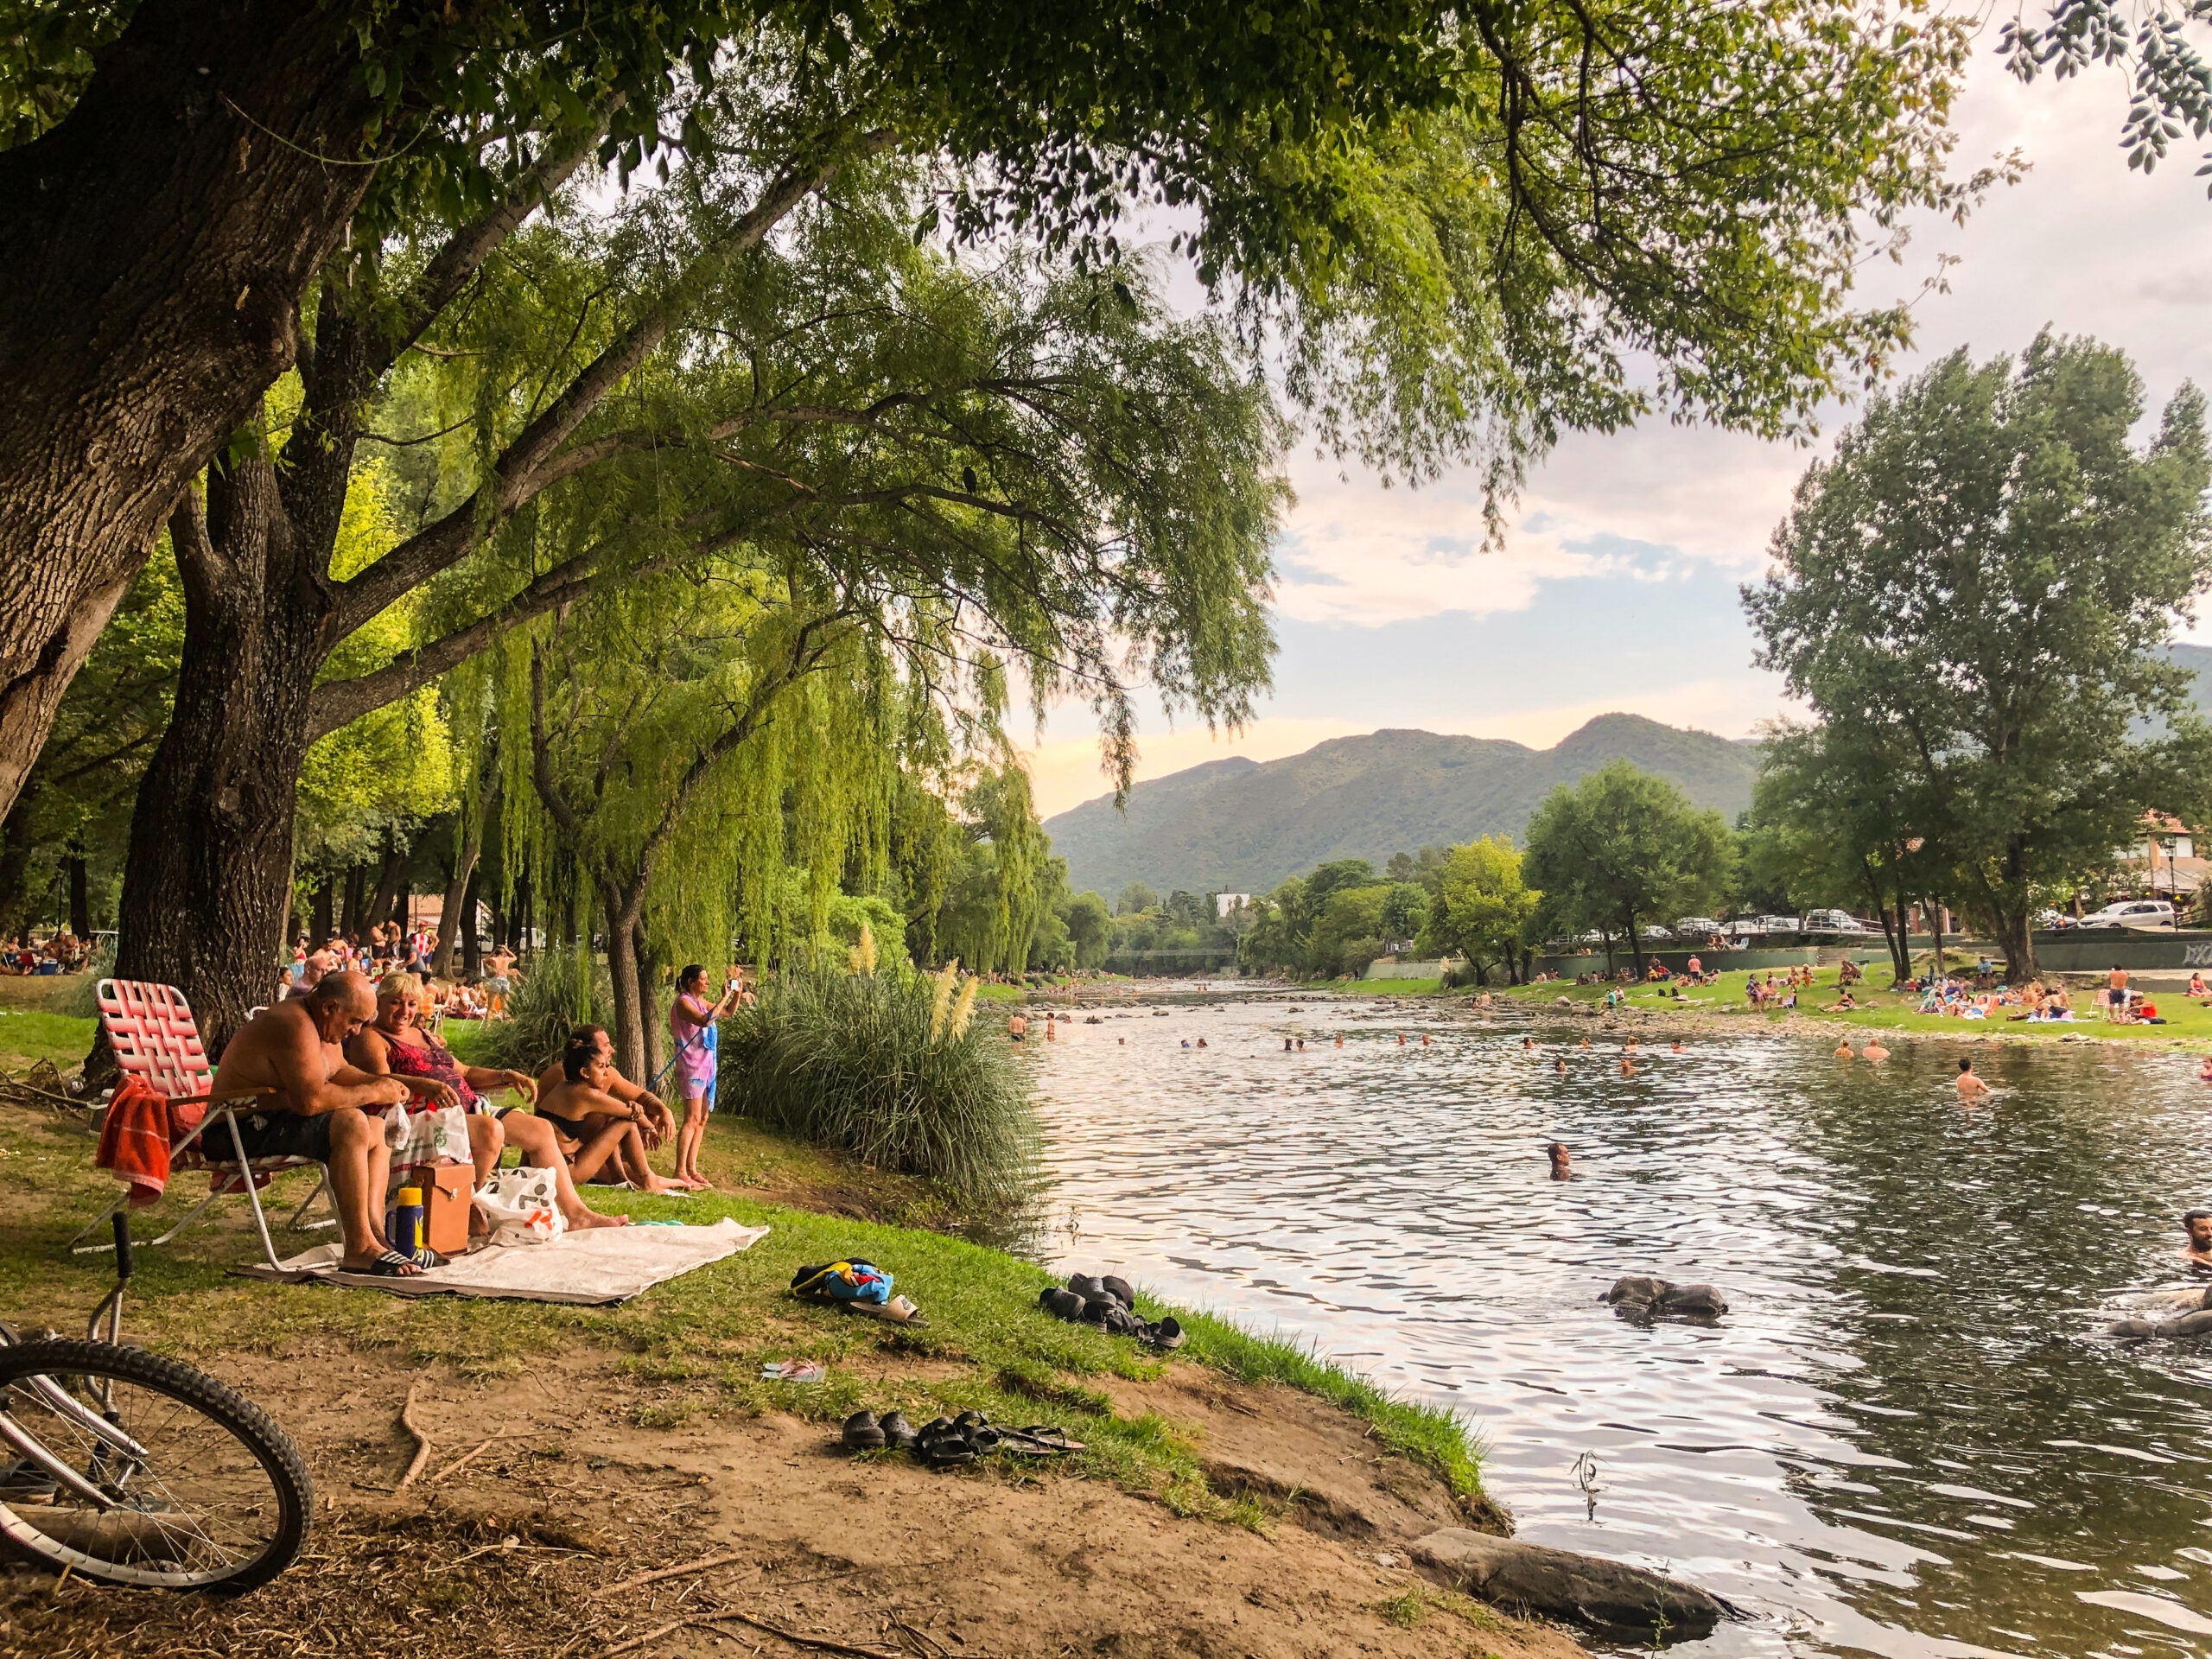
134 1469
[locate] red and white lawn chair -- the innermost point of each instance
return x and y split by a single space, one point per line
154 1037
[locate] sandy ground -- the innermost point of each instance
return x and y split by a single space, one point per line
524 1550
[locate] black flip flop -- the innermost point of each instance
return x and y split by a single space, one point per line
386 1266
862 1432
1038 1440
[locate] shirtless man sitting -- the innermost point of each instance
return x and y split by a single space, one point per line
599 1114
294 1051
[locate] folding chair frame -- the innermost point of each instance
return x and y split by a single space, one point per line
221 1172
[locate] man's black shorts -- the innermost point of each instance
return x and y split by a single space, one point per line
273 1134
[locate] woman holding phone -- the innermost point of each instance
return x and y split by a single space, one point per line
691 1020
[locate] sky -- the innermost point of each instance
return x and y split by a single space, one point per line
1618 586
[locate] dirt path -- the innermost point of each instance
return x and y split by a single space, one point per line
513 1554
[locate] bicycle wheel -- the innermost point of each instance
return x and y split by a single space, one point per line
138 1470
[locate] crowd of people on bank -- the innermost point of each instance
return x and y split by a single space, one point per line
60 953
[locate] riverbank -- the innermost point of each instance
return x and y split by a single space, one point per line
1239 1497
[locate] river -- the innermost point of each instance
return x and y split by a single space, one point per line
1908 1437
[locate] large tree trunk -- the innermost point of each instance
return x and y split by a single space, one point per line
318 916
649 1003
154 249
1635 946
207 882
16 845
390 881
622 970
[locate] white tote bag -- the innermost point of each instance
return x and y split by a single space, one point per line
521 1207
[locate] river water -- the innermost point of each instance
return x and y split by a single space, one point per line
1907 1437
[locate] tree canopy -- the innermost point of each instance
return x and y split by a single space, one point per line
1971 596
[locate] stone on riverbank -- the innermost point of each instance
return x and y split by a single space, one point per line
1642 1296
1608 1596
2197 1323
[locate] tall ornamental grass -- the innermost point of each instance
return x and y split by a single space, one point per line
887 1065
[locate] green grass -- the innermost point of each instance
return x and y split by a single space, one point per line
29 1035
1883 1010
695 1346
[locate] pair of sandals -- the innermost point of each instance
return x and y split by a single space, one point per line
949 1442
1110 1304
391 1264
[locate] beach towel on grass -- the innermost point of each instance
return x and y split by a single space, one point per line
603 1265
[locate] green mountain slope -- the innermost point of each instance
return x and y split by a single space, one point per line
1238 826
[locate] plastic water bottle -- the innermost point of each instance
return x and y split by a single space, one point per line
404 1225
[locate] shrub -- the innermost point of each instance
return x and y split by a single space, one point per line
884 1064
559 988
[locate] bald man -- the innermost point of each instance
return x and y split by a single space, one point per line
321 1107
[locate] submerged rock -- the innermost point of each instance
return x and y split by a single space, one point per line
1643 1297
1607 1596
2196 1324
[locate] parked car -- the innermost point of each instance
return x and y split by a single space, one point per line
1651 931
1781 925
1696 927
1833 921
2132 912
2050 921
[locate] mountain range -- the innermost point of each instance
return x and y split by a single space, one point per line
1245 826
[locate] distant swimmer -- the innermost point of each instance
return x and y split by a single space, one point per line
1678 1045
1558 1154
1970 1086
1301 1045
2204 1071
1628 1066
1424 1040
2197 1224
1202 1042
1630 1046
1017 1029
1531 1042
1186 1042
1586 1042
1340 1039
1843 1050
1874 1051
1286 1044
1562 1065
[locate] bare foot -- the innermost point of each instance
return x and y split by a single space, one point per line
701 1184
660 1186
592 1218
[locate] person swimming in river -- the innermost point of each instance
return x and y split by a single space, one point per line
1561 1166
1678 1045
1628 1066
1874 1051
1528 1042
1562 1065
2197 1226
1970 1087
1843 1050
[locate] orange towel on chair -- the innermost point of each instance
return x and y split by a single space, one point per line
134 1142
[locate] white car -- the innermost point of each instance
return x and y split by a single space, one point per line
2132 912
1697 926
1833 921
1648 931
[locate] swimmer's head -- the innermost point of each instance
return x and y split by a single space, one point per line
1558 1154
2197 1224
1966 1065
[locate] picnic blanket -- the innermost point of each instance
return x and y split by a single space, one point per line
605 1264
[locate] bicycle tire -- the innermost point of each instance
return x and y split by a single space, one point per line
244 1422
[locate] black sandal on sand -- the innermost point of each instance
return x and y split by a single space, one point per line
897 1433
862 1432
387 1266
947 1448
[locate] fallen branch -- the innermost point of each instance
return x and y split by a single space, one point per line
421 1440
468 1458
699 1566
640 1641
820 1643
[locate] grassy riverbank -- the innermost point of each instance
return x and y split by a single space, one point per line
1879 1009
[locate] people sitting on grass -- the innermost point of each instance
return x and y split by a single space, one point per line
395 1045
320 1106
606 1123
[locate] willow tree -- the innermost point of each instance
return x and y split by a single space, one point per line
890 491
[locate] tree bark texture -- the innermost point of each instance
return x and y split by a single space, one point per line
154 249
319 915
622 970
16 845
356 889
472 949
461 891
207 884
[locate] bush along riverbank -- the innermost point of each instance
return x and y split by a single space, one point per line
1240 1495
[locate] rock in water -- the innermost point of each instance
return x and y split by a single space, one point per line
2198 1324
1645 1295
1622 1601
1701 1301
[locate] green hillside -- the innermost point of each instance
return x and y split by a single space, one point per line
1239 826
